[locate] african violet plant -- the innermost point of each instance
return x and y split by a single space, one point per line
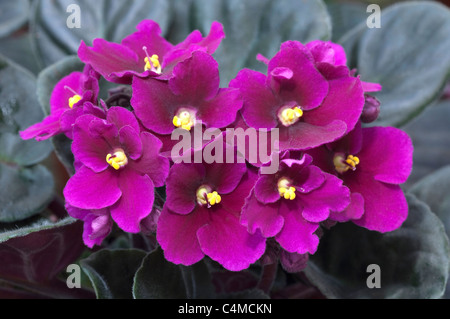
222 151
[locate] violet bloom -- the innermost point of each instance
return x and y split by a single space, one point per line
118 167
97 224
297 99
192 96
201 216
67 102
146 53
372 162
290 204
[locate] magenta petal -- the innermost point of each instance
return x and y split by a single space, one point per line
371 87
387 154
121 117
68 119
177 235
151 162
307 86
96 229
340 58
195 41
322 51
345 102
181 186
91 151
197 78
385 206
304 179
264 217
212 41
297 235
61 92
131 142
212 113
108 58
353 211
44 130
136 201
331 196
89 190
304 136
266 189
154 104
225 177
229 243
148 34
260 104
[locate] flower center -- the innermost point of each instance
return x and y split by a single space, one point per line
285 190
184 119
342 164
75 98
290 115
152 62
117 160
205 196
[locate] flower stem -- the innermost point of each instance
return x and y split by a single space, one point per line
268 275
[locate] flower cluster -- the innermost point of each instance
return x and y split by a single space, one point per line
329 167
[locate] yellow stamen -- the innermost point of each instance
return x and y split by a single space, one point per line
343 164
184 120
285 190
289 116
213 198
152 62
117 160
74 100
206 197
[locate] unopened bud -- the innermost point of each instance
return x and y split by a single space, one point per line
371 109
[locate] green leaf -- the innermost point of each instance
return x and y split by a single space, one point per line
433 190
25 191
108 19
35 256
430 133
414 259
408 56
39 252
19 109
13 15
17 47
259 26
111 272
345 16
159 279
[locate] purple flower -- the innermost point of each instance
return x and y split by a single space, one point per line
118 167
73 96
97 224
191 96
372 162
290 204
308 109
201 215
146 53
